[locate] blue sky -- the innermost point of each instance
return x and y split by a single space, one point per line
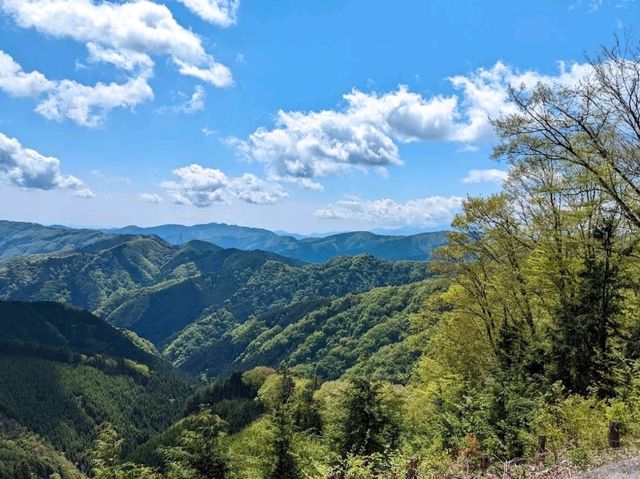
155 112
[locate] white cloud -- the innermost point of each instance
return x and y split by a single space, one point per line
215 73
16 82
221 12
490 175
150 198
123 59
202 187
89 105
251 189
366 133
83 104
131 28
26 168
429 211
193 104
196 102
125 35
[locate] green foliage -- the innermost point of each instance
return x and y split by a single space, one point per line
199 453
367 429
54 383
231 398
367 333
285 464
205 305
24 455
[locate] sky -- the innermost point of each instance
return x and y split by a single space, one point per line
295 115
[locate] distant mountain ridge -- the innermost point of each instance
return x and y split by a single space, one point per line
18 238
416 247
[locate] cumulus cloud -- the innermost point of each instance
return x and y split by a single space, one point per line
429 211
17 82
26 168
89 105
366 132
202 187
490 175
150 198
121 33
125 35
85 105
221 12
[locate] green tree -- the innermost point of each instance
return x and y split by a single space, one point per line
105 457
106 460
199 453
367 428
306 412
285 464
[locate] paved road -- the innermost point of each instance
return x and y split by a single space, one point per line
629 469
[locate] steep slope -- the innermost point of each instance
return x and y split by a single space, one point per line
155 289
18 238
314 250
88 277
63 372
363 332
25 455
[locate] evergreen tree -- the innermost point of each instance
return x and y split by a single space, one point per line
307 409
286 466
366 428
105 457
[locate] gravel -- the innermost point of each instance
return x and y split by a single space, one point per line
628 469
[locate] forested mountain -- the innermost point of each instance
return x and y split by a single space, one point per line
64 372
355 333
29 238
24 455
416 247
157 290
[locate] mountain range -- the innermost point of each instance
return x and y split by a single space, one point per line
416 247
29 238
200 303
119 327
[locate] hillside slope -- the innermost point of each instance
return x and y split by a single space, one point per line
328 338
157 290
63 372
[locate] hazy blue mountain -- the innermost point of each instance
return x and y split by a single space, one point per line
310 249
18 239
